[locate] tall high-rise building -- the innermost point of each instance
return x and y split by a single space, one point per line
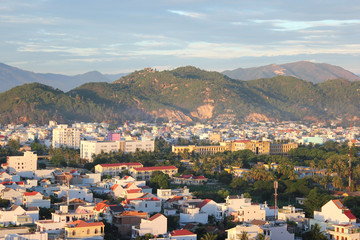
66 136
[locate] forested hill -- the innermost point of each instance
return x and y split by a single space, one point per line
183 94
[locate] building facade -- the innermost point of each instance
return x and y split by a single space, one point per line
28 162
66 137
144 173
114 169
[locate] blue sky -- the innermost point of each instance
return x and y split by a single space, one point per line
114 36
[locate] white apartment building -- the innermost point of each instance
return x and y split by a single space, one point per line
66 137
28 162
90 148
142 145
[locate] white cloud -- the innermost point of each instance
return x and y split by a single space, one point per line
188 14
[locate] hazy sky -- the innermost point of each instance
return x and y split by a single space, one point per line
113 36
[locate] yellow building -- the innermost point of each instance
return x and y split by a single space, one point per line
81 229
257 147
114 169
282 148
144 173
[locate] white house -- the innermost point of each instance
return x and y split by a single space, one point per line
155 225
35 199
75 192
19 216
182 234
165 194
148 203
334 211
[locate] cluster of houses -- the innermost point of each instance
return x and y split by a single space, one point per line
134 209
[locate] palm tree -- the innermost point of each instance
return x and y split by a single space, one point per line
209 236
260 236
244 235
314 233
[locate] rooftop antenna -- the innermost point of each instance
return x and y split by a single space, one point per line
350 143
275 187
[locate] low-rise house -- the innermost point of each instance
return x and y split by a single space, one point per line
81 230
190 180
115 169
14 196
126 220
155 225
144 173
344 231
182 234
75 192
17 215
147 203
35 199
290 213
165 194
333 212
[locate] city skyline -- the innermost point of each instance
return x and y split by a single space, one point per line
119 36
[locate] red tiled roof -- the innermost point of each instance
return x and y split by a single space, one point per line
120 164
155 216
203 203
81 223
128 185
155 168
176 198
30 193
349 214
182 232
114 187
101 205
133 190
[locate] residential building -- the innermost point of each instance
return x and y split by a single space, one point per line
126 220
28 162
149 204
90 148
165 194
64 136
155 225
17 215
144 173
35 199
344 232
141 145
115 169
190 180
182 234
335 212
281 148
80 229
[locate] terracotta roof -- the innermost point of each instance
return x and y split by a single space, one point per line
30 193
134 213
138 190
81 223
114 187
128 185
120 164
258 222
176 198
101 205
349 214
155 216
155 168
182 232
203 203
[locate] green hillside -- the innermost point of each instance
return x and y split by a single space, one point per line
183 94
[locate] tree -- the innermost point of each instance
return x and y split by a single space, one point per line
159 180
209 236
14 145
315 200
260 236
314 233
244 235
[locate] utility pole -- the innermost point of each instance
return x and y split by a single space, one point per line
350 143
276 187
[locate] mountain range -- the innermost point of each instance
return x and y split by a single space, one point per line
308 71
11 77
183 94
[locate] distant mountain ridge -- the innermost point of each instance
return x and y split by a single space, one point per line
183 94
11 77
308 71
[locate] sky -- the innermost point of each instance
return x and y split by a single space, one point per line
120 36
